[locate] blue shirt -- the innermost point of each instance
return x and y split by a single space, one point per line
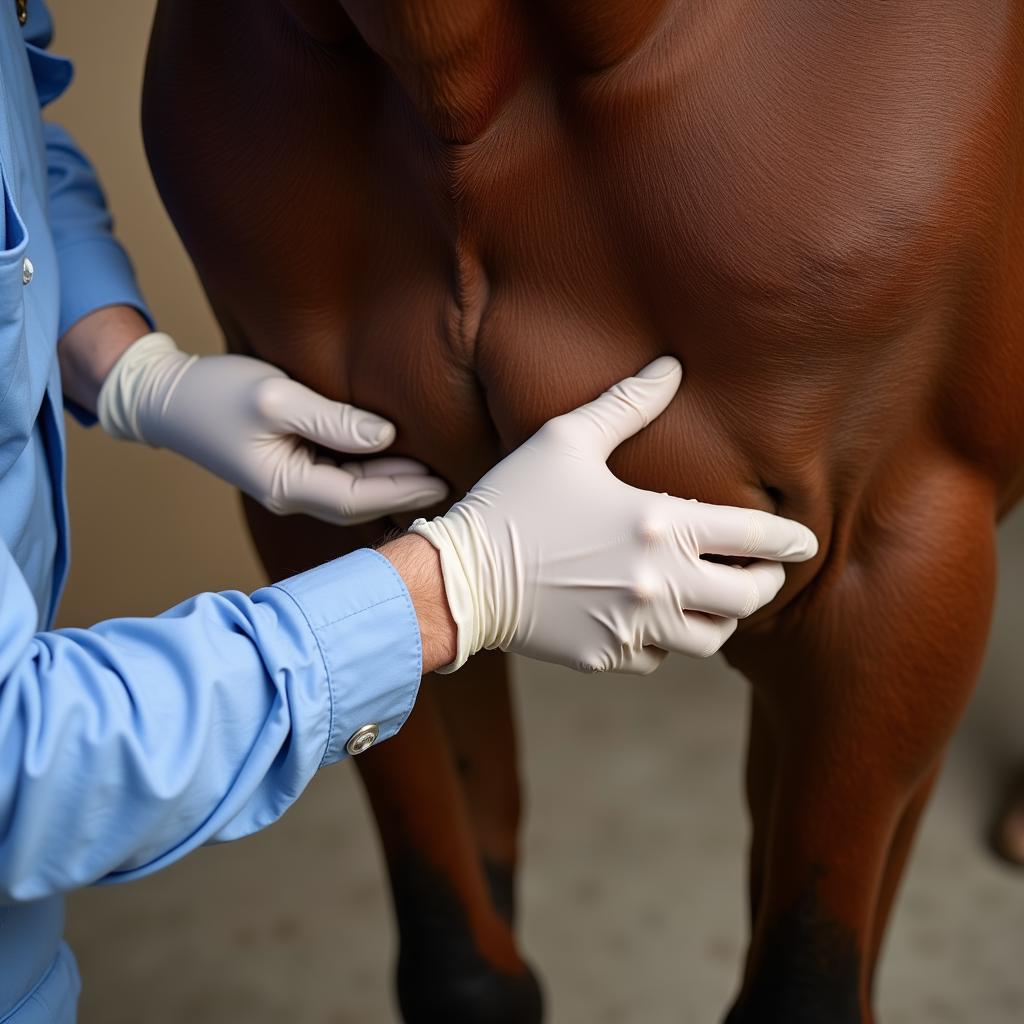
125 746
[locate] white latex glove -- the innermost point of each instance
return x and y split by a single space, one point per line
552 556
251 424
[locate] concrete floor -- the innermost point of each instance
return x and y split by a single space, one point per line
632 892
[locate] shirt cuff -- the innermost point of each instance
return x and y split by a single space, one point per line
360 612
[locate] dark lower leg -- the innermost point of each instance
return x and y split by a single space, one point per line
823 858
804 962
476 711
860 689
1008 832
458 961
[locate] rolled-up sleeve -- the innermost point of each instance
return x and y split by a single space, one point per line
125 746
94 269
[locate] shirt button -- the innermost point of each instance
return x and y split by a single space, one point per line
362 739
27 270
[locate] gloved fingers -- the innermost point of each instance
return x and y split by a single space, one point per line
735 591
771 578
296 409
750 533
395 493
693 633
641 662
383 465
337 495
625 408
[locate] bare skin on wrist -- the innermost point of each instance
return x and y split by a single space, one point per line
89 348
418 563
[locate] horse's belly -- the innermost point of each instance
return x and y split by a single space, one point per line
805 270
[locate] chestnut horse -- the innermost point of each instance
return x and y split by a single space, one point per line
470 215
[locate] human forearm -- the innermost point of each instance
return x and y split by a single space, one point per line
90 347
419 565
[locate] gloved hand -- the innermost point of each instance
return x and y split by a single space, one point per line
252 425
552 556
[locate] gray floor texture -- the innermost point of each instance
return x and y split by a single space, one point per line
632 890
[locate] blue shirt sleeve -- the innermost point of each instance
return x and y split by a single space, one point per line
94 269
125 746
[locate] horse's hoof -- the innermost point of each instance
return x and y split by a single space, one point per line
465 993
442 976
1008 835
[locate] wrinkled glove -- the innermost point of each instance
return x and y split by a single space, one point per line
255 427
552 556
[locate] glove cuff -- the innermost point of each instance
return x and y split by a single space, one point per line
141 381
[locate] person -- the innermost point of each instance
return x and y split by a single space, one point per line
127 745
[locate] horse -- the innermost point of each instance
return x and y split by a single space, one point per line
472 215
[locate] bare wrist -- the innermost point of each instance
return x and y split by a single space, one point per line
418 563
89 348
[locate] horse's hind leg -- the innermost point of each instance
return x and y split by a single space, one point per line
445 796
858 692
760 790
446 805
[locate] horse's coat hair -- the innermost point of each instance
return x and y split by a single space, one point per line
470 215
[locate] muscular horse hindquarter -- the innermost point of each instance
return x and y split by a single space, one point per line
470 216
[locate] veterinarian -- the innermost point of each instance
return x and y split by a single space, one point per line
125 746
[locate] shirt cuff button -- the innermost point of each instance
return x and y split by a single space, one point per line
27 271
362 739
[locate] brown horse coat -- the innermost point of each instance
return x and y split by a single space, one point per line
470 215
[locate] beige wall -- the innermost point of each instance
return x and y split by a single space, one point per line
147 528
